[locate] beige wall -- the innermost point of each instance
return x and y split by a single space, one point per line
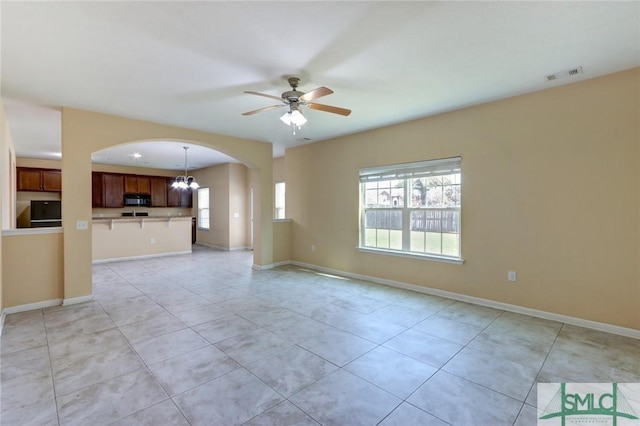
38 162
32 270
282 241
228 186
7 194
281 228
254 179
279 170
134 238
238 211
215 178
550 190
7 173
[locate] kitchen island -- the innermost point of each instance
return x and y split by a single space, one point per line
127 238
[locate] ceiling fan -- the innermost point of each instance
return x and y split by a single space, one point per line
295 99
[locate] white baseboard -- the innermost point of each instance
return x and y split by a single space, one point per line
223 248
40 305
262 267
594 325
76 300
145 256
31 306
213 246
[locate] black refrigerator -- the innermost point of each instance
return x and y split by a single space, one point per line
45 214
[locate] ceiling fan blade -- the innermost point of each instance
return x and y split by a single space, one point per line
255 111
315 94
277 98
329 108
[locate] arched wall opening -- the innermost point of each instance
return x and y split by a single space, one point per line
85 132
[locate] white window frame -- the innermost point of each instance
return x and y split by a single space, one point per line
204 221
406 172
279 202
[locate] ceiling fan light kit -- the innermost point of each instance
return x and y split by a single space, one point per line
293 116
185 181
295 99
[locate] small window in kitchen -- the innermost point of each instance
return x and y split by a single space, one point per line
279 201
203 208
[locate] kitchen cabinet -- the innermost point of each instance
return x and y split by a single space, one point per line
41 180
108 190
97 199
137 184
178 197
158 192
113 190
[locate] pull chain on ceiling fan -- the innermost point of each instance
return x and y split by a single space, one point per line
295 99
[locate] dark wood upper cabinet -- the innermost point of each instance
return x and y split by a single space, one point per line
52 180
97 199
113 190
158 192
186 198
178 197
173 194
108 190
137 184
41 180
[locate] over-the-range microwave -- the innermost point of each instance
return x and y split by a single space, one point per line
137 200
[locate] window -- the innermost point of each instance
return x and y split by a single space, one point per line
203 208
412 208
279 201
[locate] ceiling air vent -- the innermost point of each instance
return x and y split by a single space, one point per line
575 71
562 74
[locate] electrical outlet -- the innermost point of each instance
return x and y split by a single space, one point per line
152 240
511 276
313 247
82 225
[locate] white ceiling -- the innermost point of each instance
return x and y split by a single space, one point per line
187 63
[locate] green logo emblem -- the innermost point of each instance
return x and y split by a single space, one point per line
588 403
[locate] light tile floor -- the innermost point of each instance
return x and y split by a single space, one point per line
202 339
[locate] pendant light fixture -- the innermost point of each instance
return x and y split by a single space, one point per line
185 181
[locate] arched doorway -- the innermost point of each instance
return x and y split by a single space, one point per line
85 132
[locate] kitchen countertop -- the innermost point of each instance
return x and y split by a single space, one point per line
111 221
158 217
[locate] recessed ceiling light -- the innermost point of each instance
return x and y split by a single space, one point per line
136 155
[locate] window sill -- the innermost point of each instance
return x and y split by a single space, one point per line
411 255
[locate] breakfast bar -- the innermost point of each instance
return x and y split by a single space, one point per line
127 238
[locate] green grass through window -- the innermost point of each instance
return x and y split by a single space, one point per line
421 242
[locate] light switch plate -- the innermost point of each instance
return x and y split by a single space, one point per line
82 225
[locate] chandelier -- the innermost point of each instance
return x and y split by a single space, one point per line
185 181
